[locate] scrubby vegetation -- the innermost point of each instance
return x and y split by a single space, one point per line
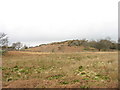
103 44
60 70
82 45
66 64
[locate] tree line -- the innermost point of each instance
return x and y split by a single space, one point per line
4 47
102 44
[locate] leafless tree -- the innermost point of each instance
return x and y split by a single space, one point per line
3 40
17 45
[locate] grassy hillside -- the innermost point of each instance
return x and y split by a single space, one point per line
76 46
65 46
60 70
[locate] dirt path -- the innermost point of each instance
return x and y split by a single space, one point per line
28 52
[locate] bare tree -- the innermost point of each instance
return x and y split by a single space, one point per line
17 45
3 41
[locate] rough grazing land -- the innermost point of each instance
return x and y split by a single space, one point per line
60 70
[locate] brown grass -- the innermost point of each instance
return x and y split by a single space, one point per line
60 70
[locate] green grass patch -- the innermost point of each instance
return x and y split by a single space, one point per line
76 81
55 77
64 82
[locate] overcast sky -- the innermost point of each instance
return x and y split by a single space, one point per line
42 21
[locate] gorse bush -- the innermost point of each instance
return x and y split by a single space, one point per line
103 44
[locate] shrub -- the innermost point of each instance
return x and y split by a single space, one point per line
2 52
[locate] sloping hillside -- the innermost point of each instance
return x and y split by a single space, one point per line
66 46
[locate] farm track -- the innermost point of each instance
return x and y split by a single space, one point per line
29 52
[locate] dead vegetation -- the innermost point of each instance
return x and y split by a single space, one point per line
60 70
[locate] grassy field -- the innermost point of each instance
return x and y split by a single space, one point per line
60 70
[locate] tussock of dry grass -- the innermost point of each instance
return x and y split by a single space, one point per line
49 70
